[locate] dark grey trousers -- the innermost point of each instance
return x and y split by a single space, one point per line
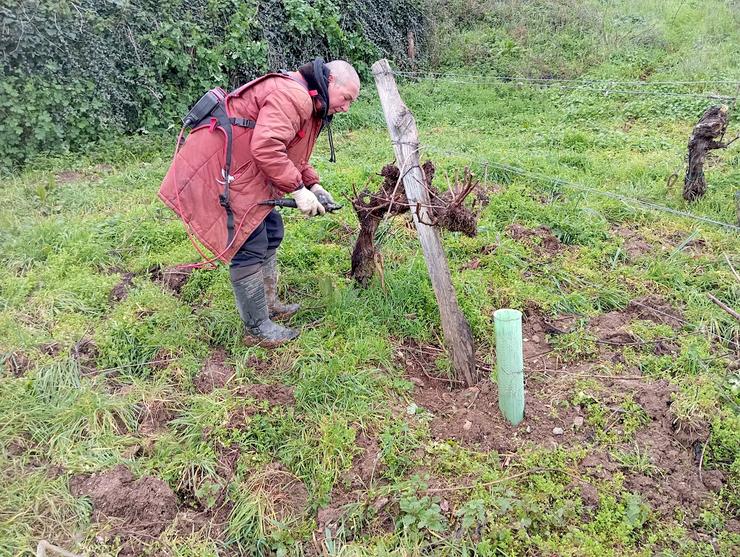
261 244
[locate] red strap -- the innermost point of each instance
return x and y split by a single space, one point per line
301 134
313 92
213 125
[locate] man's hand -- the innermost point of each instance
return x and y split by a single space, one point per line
321 194
307 202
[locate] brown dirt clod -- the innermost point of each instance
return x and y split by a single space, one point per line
17 364
366 465
286 494
541 238
154 417
52 349
215 373
135 509
634 244
68 177
85 351
161 360
120 290
173 278
611 326
275 395
656 309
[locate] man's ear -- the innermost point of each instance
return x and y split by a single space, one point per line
330 78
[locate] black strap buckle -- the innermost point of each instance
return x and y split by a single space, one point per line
243 122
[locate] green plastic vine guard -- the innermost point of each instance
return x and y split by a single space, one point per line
510 363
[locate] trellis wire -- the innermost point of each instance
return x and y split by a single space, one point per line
583 85
619 197
562 80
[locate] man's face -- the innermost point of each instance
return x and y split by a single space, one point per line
341 96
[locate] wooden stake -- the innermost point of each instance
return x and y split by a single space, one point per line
405 138
411 47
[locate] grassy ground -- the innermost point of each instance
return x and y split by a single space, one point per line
357 447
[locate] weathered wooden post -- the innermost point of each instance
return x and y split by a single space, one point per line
405 139
411 47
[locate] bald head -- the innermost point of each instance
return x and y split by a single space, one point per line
344 86
343 72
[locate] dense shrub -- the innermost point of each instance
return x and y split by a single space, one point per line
73 72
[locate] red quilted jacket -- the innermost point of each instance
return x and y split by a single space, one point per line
268 161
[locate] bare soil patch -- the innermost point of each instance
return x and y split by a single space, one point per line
134 510
85 352
17 363
694 247
120 290
634 244
541 239
535 328
657 310
161 360
671 473
650 308
287 495
215 373
52 349
471 416
274 395
351 489
154 417
172 278
272 365
69 176
366 465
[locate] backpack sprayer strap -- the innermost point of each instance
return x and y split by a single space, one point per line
243 122
224 123
213 105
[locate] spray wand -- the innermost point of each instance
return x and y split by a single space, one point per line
291 204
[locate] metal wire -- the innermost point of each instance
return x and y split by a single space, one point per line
605 87
563 80
619 197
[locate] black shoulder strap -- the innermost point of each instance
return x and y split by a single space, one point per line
224 122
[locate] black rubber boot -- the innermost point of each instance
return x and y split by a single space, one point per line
249 290
278 310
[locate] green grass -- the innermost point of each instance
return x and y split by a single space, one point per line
65 244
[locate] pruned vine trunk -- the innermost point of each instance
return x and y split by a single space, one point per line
371 209
446 210
707 135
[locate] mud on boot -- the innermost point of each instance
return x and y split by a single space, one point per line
249 291
269 335
270 274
